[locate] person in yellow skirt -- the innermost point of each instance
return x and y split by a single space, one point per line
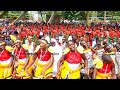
6 59
71 59
104 68
21 60
44 61
31 49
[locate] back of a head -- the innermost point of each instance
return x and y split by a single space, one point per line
106 58
15 32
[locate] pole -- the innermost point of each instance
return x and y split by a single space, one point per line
96 16
104 16
22 15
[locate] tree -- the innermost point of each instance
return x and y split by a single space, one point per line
53 13
87 18
3 13
22 15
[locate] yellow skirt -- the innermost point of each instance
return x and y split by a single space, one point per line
103 76
67 73
39 69
20 71
5 72
23 74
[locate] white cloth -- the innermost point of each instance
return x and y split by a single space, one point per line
60 39
73 66
100 52
53 40
41 33
6 61
93 42
63 46
24 60
43 62
57 55
118 61
31 49
47 38
69 38
89 58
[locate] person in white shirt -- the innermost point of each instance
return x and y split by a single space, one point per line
63 44
31 48
57 53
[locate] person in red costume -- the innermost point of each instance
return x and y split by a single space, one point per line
107 69
44 59
21 59
71 63
6 59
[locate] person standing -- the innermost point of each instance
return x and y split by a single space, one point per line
105 68
57 53
6 60
45 61
108 51
21 59
31 49
69 64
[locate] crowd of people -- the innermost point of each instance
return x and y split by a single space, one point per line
59 51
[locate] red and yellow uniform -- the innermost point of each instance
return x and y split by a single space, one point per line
104 72
42 61
22 60
113 56
71 66
5 68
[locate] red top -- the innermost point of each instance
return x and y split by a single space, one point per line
106 68
4 55
20 53
73 57
118 34
97 32
45 56
23 34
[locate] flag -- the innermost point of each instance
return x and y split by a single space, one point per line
93 42
109 38
115 39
